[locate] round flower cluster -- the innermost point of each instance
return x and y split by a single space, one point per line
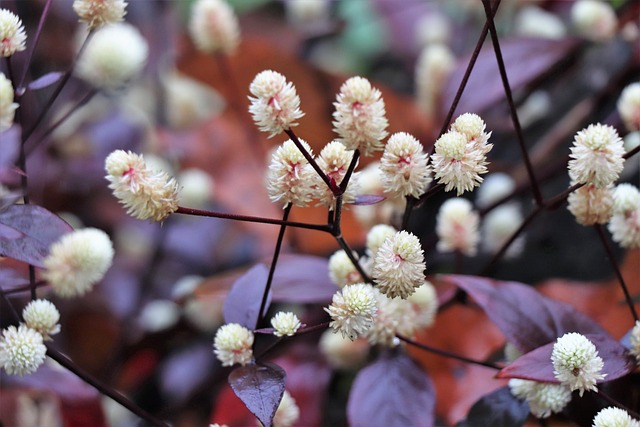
7 106
12 36
433 68
22 350
233 344
404 166
591 205
285 323
275 105
42 316
97 13
629 106
576 362
398 266
334 160
341 352
376 237
624 224
287 413
498 226
596 156
214 26
290 178
342 271
457 227
595 20
614 417
352 310
543 399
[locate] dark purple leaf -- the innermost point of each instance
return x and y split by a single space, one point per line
27 231
368 199
302 279
536 365
244 299
393 391
260 387
526 318
45 80
497 409
184 371
9 199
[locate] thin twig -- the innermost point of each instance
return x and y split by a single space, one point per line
36 38
614 402
332 185
350 169
345 246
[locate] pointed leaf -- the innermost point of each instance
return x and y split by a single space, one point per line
368 199
260 387
27 231
302 279
244 299
526 318
497 409
45 80
536 365
393 391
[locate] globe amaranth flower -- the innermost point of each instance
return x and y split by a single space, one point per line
624 224
424 305
458 162
457 227
290 177
398 267
593 19
7 106
287 413
341 352
285 323
233 344
543 399
494 187
42 316
342 271
334 161
635 341
376 237
146 193
614 417
591 205
359 118
97 13
435 64
275 105
352 310
404 166
473 127
576 362
629 106
213 27
596 156
21 350
12 36
379 213
115 55
498 226
77 261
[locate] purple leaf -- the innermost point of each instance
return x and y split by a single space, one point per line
244 299
8 199
368 199
497 409
184 371
260 387
27 231
526 318
302 279
393 391
45 80
537 366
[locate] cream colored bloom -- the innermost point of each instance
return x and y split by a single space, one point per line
287 413
433 68
629 106
115 55
334 160
543 399
495 186
97 13
614 417
275 105
285 323
591 205
576 362
359 118
398 267
498 226
624 224
424 304
596 156
146 193
341 352
12 36
21 350
352 310
42 316
214 27
7 106
77 261
342 271
594 19
290 178
376 237
196 187
404 166
233 344
635 341
457 227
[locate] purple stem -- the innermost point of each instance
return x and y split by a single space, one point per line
447 353
36 38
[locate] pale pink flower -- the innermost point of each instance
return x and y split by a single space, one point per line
398 266
213 26
334 160
624 224
97 13
596 156
290 178
404 166
457 227
591 205
275 105
12 36
629 106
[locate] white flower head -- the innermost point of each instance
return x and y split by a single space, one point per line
97 13
457 227
359 118
635 341
376 237
290 176
498 226
591 205
275 105
342 271
77 261
624 224
434 66
42 316
21 350
398 267
543 399
7 106
196 187
594 19
472 126
287 413
629 106
576 362
334 160
115 55
424 305
146 193
614 417
233 344
285 323
404 166
596 156
352 310
341 352
12 36
214 26
495 186
391 316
